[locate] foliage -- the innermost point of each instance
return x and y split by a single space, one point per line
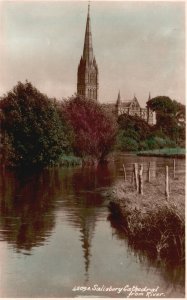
125 142
69 160
132 133
169 130
36 131
138 128
165 152
94 129
170 117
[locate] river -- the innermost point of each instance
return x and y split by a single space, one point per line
56 236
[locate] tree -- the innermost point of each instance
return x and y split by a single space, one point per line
94 129
134 127
170 116
36 131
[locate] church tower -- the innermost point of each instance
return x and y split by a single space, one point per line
87 75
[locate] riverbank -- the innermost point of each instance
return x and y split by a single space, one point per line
150 221
165 152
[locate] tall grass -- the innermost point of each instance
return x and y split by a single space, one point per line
69 160
150 221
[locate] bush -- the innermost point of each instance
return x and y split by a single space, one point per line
138 127
36 132
152 144
125 143
94 129
143 145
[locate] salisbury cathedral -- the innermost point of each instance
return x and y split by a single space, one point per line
88 82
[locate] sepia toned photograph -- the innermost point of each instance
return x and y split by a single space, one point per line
92 149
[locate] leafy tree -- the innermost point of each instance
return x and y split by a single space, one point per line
36 131
94 129
134 127
170 116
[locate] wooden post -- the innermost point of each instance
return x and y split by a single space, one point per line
167 184
141 179
136 175
132 179
154 166
125 175
149 172
174 168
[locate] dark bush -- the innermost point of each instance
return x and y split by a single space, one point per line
36 132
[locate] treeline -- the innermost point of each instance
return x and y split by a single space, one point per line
135 134
40 131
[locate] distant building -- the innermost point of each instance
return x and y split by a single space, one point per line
133 108
87 75
88 82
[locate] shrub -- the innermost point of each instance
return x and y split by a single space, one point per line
143 145
135 125
125 143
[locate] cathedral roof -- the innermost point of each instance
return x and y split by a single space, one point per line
126 103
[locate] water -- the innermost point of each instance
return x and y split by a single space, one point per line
56 234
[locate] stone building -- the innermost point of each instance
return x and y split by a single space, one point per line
87 75
133 108
88 82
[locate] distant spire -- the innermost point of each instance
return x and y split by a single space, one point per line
88 49
149 96
119 98
134 96
89 7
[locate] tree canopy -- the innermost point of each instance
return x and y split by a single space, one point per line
33 127
170 116
94 129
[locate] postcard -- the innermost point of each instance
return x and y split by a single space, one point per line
92 149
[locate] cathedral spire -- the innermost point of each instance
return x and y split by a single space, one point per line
87 75
88 49
118 99
149 96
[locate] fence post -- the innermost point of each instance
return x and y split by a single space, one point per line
167 183
174 168
132 179
136 175
124 170
149 172
141 179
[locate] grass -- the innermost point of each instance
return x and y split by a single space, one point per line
165 152
69 160
150 221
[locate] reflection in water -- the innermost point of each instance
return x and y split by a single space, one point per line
27 216
28 204
35 207
84 210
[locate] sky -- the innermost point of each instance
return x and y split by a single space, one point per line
139 47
